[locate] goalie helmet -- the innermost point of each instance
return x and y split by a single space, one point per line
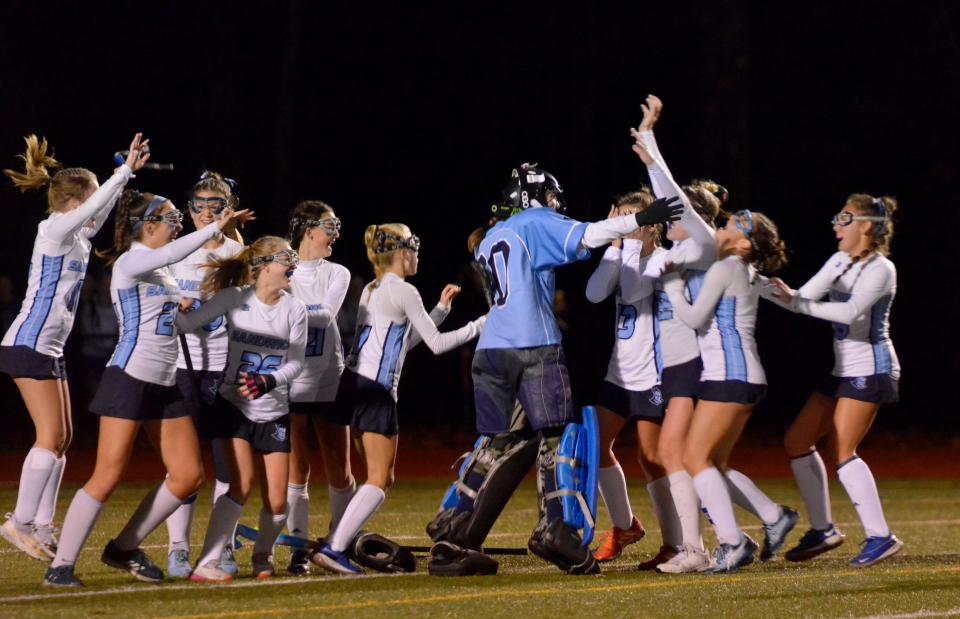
528 184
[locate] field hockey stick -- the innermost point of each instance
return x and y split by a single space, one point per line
283 539
120 157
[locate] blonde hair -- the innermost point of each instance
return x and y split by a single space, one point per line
381 242
637 202
704 200
63 185
236 270
882 231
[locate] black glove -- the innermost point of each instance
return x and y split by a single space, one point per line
662 210
258 384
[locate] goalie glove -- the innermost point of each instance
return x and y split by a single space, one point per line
662 210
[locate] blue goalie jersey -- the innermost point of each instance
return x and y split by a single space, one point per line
518 256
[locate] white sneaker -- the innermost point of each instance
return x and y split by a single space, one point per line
24 540
210 573
689 559
46 534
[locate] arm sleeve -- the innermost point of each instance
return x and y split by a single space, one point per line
136 263
819 285
552 239
634 285
298 347
96 207
218 305
600 233
437 315
603 280
873 285
716 282
322 314
436 341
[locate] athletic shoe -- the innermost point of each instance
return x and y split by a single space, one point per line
730 558
61 576
815 542
228 563
46 534
876 549
665 554
210 573
263 565
23 539
135 561
776 533
299 563
688 560
335 561
178 563
617 539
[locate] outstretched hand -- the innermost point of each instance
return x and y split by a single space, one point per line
651 112
640 147
231 218
661 211
448 294
139 153
782 292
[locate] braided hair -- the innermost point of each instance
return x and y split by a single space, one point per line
882 233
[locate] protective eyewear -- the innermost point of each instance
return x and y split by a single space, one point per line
845 218
172 218
412 243
284 257
216 205
330 225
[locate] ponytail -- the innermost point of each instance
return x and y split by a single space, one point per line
381 242
132 204
236 270
61 187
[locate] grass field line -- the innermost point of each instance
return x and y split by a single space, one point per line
949 612
496 592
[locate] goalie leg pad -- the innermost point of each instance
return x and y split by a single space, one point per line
381 554
568 473
448 559
560 544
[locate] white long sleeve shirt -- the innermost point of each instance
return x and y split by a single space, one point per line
635 363
57 268
725 317
859 308
390 320
267 339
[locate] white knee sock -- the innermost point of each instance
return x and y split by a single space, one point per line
223 521
219 489
81 516
154 509
36 471
48 501
178 525
613 489
811 476
339 499
856 477
298 510
364 504
666 511
711 486
746 494
270 526
688 508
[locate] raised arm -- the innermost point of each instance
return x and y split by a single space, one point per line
600 233
437 342
439 313
718 279
875 283
218 305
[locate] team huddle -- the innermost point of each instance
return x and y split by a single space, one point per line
237 345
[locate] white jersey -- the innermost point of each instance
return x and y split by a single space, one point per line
725 317
859 308
391 319
322 286
145 299
634 363
267 339
57 268
207 346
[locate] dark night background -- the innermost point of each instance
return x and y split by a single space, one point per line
417 114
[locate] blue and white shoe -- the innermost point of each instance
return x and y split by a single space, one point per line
815 542
228 563
876 549
335 561
178 563
730 558
776 533
61 576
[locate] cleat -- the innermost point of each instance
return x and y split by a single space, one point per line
730 558
228 563
263 565
210 573
776 533
135 561
23 539
688 560
178 563
334 561
666 553
617 539
299 563
876 549
46 534
815 542
61 576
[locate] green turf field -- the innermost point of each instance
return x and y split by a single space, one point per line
922 581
